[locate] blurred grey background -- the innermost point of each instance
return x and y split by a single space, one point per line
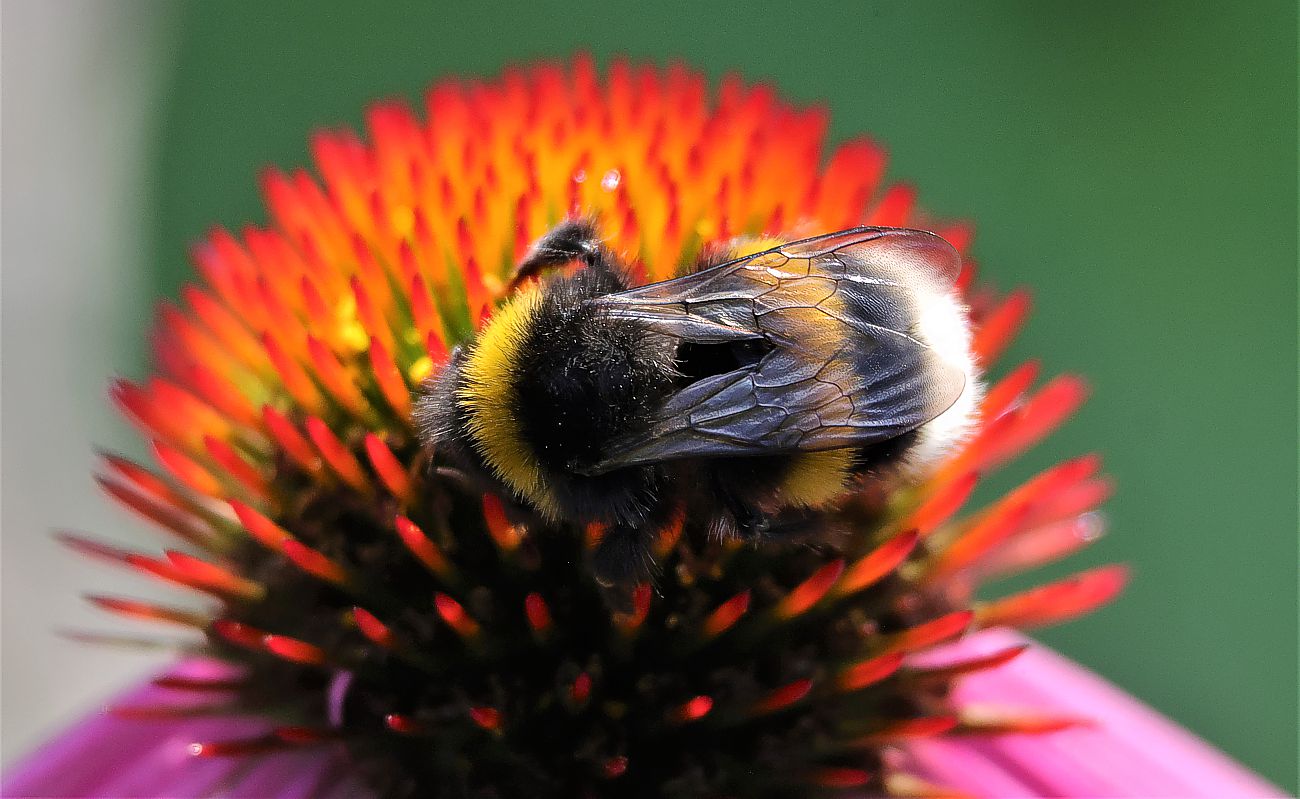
1133 163
79 85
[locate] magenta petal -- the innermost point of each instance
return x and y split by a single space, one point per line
107 756
1130 751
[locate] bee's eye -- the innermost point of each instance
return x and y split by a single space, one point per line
697 360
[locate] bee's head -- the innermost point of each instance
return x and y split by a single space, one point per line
550 383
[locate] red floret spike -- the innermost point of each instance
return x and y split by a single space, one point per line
188 471
136 642
989 721
300 735
149 485
454 615
293 650
335 378
436 348
782 698
580 690
691 710
870 568
315 563
839 777
238 633
200 684
933 632
225 327
850 178
1010 390
419 544
667 538
166 515
537 613
857 676
506 535
904 729
374 629
1042 545
489 718
949 671
940 506
223 396
294 378
403 724
614 767
268 533
191 572
1084 494
339 457
1000 327
368 313
389 379
1014 513
389 468
1055 602
92 548
319 315
808 593
427 320
894 209
238 747
245 474
291 442
1023 427
725 615
149 611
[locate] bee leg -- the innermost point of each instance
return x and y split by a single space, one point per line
744 519
572 240
800 525
753 524
739 519
622 558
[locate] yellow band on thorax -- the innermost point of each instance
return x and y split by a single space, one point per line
489 398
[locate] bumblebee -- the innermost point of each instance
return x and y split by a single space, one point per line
746 393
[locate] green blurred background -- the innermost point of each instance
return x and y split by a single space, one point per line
1135 164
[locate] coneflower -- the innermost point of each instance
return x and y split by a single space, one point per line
373 623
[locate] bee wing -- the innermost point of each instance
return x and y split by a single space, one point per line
720 303
833 379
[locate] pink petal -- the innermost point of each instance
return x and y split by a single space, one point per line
1130 751
108 756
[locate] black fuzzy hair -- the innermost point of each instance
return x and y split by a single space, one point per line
583 381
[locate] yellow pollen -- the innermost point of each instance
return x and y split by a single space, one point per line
402 220
350 329
706 228
346 310
355 336
421 369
